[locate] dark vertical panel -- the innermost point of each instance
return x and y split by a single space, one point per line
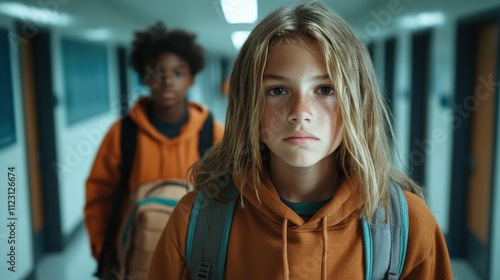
42 63
7 121
419 97
461 141
389 66
371 51
122 76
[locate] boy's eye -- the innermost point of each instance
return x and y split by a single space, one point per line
325 90
276 91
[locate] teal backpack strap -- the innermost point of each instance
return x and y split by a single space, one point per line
383 261
208 237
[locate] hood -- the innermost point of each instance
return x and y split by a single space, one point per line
341 209
338 210
196 118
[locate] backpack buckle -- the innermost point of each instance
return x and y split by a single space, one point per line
391 275
203 272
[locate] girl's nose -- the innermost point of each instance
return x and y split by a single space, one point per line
300 109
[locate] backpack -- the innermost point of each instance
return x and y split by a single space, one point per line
210 225
147 213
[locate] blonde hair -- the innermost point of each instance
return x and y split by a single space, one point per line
364 155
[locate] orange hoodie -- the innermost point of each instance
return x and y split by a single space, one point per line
156 157
268 240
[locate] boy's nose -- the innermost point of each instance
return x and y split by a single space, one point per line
168 79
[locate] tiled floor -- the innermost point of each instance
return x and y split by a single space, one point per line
75 263
462 271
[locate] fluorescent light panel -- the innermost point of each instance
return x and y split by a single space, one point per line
239 38
37 15
423 19
101 34
239 11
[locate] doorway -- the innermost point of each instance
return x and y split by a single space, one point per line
32 146
39 103
474 137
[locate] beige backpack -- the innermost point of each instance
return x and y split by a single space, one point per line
148 211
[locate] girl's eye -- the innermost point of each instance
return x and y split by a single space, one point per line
325 91
179 74
276 91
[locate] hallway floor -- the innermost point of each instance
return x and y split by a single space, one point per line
76 263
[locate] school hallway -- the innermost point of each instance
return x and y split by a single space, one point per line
76 263
437 63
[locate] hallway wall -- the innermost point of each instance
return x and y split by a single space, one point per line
18 237
400 19
77 144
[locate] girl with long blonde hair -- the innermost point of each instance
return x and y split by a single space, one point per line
306 148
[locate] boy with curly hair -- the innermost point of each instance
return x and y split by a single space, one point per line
168 126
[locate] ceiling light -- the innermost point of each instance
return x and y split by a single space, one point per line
422 20
101 34
239 38
239 11
36 15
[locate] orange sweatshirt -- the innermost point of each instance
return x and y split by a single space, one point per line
270 241
156 157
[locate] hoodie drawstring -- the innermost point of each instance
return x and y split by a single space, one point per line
325 249
284 241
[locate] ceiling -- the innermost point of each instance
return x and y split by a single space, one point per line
116 20
205 18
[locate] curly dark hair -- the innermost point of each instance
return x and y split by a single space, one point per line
150 43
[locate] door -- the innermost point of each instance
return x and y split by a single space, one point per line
481 105
474 126
39 102
32 146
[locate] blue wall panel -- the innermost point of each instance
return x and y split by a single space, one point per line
86 80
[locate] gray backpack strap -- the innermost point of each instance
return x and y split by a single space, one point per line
208 237
383 261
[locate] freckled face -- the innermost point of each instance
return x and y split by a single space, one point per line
301 124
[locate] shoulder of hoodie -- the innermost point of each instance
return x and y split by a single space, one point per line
180 216
112 136
200 112
197 110
422 223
